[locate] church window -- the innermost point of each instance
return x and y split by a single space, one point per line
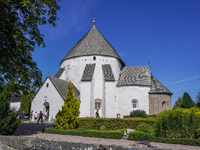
163 103
47 85
94 58
134 103
97 105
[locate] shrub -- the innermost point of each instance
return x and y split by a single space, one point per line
146 128
138 113
113 123
67 118
140 136
117 134
178 123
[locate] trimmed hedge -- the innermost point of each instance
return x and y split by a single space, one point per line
148 116
141 136
89 133
113 123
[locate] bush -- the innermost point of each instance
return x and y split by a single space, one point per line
140 136
146 128
113 123
138 113
117 134
178 123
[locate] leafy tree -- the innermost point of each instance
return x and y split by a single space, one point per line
67 118
19 34
187 101
8 117
178 103
198 99
26 98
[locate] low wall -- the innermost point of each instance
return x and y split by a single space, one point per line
25 143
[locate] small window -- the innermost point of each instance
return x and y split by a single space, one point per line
163 103
97 105
47 85
134 103
94 58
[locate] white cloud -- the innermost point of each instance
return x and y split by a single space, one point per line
184 80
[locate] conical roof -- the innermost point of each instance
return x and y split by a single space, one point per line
93 43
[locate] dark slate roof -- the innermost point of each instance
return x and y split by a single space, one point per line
59 73
157 87
108 73
88 72
61 86
16 97
138 75
93 43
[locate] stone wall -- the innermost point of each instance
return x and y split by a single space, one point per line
159 102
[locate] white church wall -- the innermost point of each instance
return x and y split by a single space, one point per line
110 100
125 95
62 76
15 105
47 94
85 96
74 67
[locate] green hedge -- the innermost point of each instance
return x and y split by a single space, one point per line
113 123
148 116
140 136
117 134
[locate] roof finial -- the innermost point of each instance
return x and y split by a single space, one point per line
94 22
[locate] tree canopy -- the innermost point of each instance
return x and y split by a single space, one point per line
19 34
198 99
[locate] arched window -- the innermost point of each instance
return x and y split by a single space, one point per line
135 103
94 58
163 103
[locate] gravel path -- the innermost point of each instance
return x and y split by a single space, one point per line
35 130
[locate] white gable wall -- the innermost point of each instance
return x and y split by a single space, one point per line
15 105
47 94
125 95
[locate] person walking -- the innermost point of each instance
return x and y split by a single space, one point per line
40 117
31 115
97 114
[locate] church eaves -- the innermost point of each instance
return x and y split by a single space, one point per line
93 43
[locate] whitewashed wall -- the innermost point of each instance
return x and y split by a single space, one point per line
47 94
125 95
110 100
15 105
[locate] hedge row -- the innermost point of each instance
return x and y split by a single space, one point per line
113 123
117 134
148 116
141 136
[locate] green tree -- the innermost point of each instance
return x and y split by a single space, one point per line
198 99
67 118
26 98
8 117
178 103
187 101
19 34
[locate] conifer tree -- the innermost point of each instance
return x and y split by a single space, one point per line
198 99
67 118
26 98
187 101
178 103
8 117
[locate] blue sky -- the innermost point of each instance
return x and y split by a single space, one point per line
165 33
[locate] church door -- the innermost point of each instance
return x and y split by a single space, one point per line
46 110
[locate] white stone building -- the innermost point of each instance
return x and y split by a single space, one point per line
102 82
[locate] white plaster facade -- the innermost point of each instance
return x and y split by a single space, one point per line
15 105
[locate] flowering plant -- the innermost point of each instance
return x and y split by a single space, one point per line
102 147
145 143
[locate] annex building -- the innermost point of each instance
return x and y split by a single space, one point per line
101 81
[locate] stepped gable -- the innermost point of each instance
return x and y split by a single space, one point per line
138 75
60 85
157 87
59 73
108 73
93 43
88 72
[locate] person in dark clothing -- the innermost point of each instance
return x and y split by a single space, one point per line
97 114
40 117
